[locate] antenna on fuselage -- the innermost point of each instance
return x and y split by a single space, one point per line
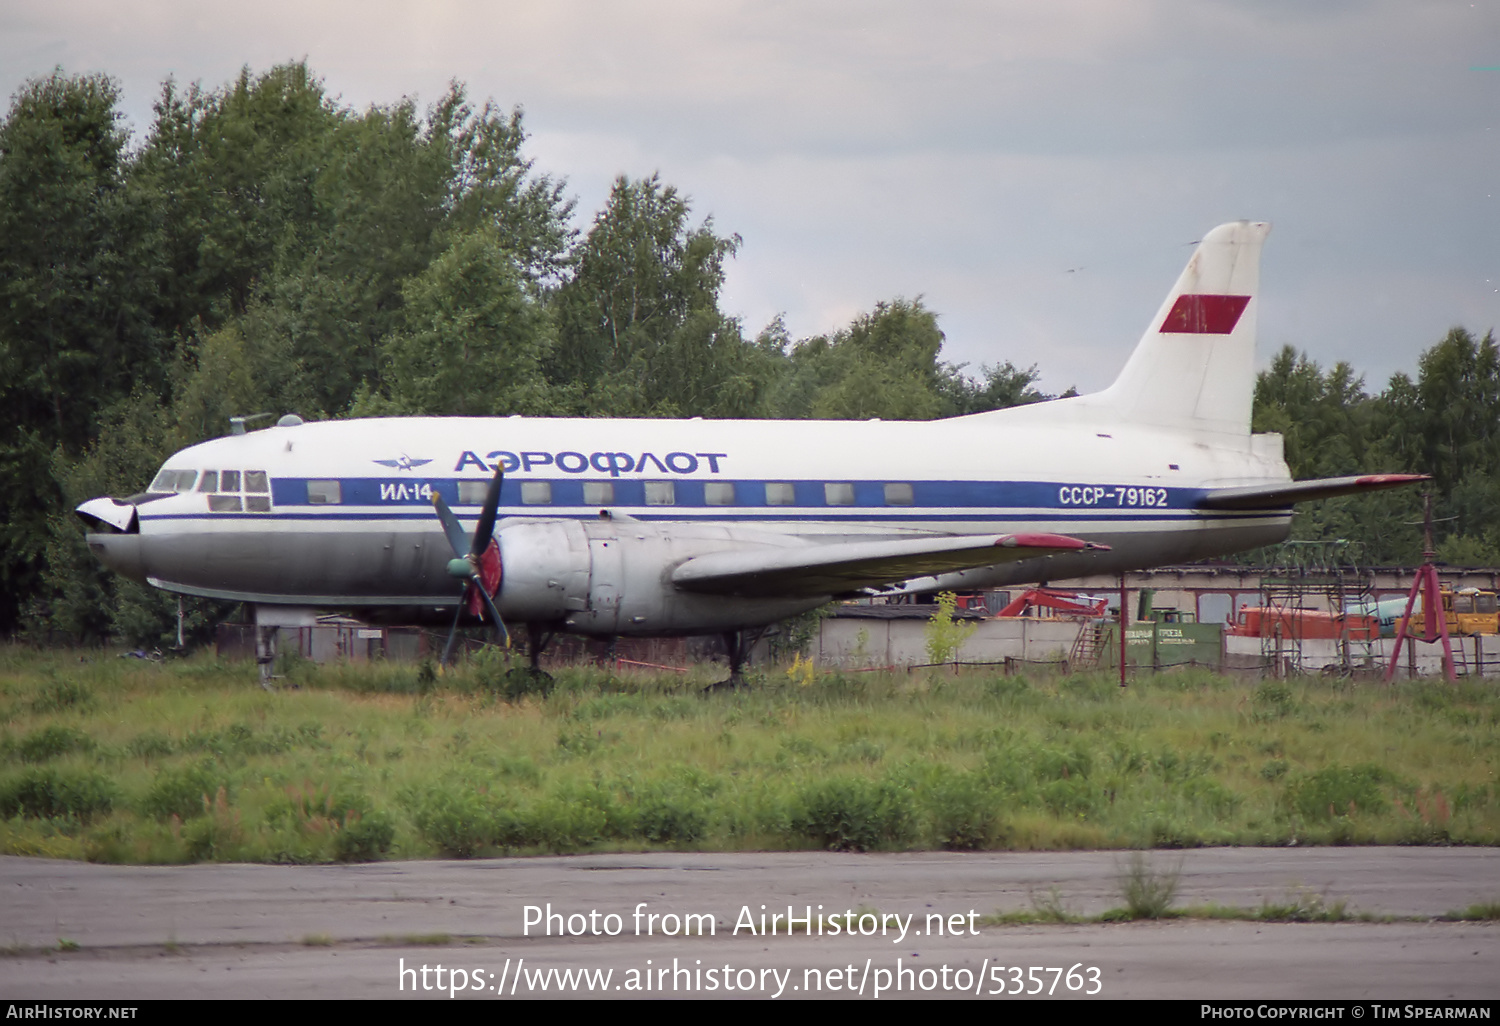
237 424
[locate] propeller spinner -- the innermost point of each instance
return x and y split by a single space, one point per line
469 558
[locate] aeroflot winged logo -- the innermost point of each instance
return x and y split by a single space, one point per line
1204 315
404 463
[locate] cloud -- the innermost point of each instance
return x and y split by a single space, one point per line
1033 170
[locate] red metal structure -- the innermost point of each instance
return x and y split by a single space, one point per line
1435 622
1067 602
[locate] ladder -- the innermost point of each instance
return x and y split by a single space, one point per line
1086 647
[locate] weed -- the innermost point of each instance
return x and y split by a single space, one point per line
60 695
63 944
151 745
1274 770
1050 908
1338 791
944 635
1481 912
184 792
52 741
1274 700
317 940
1303 907
49 793
1148 894
670 815
364 837
219 834
853 813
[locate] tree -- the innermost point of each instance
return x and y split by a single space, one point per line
71 339
475 341
642 273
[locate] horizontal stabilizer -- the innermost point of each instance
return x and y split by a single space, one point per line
842 567
1280 495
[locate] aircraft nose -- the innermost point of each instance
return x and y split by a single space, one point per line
114 536
121 553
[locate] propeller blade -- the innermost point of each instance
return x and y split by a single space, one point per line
467 553
458 538
452 636
500 630
486 528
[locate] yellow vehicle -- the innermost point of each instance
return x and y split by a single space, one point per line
1468 611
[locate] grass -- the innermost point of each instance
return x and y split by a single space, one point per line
1483 912
193 761
1148 892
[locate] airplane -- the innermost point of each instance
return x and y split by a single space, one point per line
612 528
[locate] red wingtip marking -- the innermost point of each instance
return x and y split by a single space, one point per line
1204 315
1044 541
1376 480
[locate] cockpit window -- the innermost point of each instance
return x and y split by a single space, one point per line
210 482
255 481
229 481
174 481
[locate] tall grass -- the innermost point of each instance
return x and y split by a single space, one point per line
115 761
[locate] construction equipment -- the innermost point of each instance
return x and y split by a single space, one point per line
1467 611
1068 603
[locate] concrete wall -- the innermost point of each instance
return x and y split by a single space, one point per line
861 644
858 643
1478 656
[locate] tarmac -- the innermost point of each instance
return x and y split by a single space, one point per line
702 925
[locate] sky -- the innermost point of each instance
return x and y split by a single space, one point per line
1035 172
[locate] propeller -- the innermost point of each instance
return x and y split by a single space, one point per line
468 557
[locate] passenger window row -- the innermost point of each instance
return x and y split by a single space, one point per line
664 493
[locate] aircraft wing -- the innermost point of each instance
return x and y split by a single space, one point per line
841 567
1278 495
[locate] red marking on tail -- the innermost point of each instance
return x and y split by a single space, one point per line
1204 315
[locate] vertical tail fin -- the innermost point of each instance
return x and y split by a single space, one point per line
1194 369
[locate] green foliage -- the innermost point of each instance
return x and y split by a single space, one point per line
57 695
966 814
185 792
945 635
1339 791
49 793
1303 907
50 742
1148 892
853 814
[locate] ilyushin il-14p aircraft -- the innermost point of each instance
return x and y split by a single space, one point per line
613 528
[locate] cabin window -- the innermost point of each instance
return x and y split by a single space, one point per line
255 481
838 493
898 495
780 493
473 493
210 482
1484 602
660 493
224 503
258 503
1463 603
719 493
536 493
229 481
598 493
320 493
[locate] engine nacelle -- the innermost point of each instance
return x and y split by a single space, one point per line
578 576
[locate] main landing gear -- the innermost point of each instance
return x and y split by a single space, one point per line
737 645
